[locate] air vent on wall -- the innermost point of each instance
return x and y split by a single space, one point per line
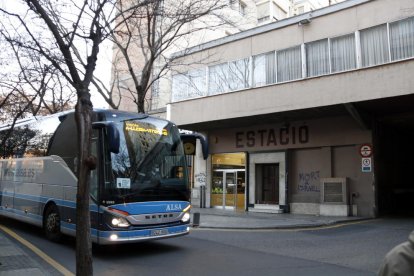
334 190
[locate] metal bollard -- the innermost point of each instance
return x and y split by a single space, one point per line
202 196
196 219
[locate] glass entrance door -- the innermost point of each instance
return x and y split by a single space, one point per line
227 189
228 185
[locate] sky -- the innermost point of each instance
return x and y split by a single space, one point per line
103 68
103 72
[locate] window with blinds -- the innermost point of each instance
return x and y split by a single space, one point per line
264 69
374 45
289 64
317 58
402 39
379 44
343 53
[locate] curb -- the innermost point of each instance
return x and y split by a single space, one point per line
336 223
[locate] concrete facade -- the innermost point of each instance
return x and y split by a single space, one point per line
240 15
318 124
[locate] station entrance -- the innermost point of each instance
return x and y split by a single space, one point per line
228 187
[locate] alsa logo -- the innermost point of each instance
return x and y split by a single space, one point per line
174 207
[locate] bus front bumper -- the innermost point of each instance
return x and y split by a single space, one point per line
117 237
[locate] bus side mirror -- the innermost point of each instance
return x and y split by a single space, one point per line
189 141
112 134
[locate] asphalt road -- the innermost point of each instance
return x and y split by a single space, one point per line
351 249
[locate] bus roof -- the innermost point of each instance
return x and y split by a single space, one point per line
31 120
108 113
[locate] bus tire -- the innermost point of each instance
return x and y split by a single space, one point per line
51 223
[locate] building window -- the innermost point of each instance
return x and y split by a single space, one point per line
239 74
317 57
289 64
217 79
155 94
374 45
179 87
238 6
263 13
402 39
189 85
379 44
264 69
343 54
196 83
242 8
155 89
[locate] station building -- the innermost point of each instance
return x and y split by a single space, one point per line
313 114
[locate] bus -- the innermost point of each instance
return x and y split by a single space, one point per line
138 191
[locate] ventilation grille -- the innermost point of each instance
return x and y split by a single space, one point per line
334 190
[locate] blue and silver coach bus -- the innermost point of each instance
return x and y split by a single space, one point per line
139 190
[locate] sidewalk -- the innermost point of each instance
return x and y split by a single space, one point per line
14 261
226 219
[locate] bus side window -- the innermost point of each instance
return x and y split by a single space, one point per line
63 143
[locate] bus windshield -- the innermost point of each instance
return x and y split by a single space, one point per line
150 165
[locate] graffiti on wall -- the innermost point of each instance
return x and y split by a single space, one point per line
309 182
201 178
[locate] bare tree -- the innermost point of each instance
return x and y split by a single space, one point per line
68 34
145 40
32 80
30 87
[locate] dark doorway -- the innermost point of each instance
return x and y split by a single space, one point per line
267 183
395 164
393 137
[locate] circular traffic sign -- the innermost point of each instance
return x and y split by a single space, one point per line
365 150
366 161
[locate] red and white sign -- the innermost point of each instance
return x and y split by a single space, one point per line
365 150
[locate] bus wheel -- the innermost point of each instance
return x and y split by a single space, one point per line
51 223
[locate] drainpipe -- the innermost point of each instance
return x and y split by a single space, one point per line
247 182
286 208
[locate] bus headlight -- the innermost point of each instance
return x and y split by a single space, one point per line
186 217
119 222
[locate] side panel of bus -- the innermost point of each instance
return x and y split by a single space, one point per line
6 190
28 185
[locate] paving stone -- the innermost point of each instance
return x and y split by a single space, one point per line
23 272
9 250
16 263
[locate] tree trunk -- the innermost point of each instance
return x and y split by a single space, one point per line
141 100
83 228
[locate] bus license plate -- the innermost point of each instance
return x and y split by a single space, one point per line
159 232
